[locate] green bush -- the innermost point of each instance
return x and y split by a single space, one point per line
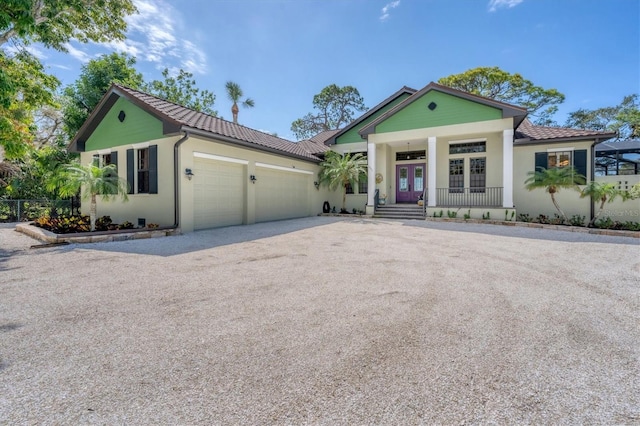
576 220
104 223
524 217
64 224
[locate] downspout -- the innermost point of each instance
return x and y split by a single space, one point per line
176 176
593 176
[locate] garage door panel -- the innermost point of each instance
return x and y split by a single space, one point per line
281 195
218 193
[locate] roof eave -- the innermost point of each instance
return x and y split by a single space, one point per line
238 142
369 113
594 138
169 125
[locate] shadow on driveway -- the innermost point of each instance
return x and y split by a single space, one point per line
207 239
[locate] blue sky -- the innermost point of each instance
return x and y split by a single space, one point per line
283 52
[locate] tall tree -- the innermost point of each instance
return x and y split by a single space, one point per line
492 82
234 92
336 107
553 180
55 22
96 77
24 86
623 119
183 90
336 171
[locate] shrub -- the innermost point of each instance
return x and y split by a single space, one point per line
542 219
524 217
576 220
557 220
64 224
103 223
452 215
125 225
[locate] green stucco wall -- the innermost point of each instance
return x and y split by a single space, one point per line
138 126
450 110
352 135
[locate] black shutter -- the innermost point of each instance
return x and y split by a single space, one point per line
541 160
580 161
114 159
153 169
131 170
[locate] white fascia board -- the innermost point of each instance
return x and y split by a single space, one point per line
284 169
219 158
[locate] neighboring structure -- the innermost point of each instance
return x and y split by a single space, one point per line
458 151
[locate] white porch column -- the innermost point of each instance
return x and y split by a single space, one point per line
371 176
431 158
507 168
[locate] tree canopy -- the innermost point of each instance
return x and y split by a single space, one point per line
623 119
96 77
182 89
336 106
25 87
234 93
55 22
492 82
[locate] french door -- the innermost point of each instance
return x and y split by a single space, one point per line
409 182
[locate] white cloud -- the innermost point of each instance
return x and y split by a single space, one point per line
12 49
387 8
497 4
77 53
152 36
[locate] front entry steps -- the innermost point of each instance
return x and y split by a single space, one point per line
399 211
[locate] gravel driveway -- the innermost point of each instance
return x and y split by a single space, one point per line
323 321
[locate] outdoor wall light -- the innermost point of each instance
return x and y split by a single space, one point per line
317 185
252 178
188 173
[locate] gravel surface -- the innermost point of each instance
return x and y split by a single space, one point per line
323 321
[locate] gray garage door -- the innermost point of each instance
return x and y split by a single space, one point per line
218 193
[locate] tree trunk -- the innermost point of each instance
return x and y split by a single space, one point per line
344 198
234 111
595 217
555 203
92 212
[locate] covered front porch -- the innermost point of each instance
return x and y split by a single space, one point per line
458 170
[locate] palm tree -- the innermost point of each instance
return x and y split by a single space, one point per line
234 92
94 180
602 192
336 171
554 179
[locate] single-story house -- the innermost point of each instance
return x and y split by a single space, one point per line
456 150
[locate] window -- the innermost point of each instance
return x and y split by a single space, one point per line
410 155
456 175
467 147
478 174
143 171
348 188
106 159
363 185
559 159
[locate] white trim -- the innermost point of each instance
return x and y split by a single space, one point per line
507 168
560 149
371 175
431 171
469 140
285 169
219 158
141 145
104 151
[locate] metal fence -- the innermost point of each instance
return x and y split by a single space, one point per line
26 210
471 197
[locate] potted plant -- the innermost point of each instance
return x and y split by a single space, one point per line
382 199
